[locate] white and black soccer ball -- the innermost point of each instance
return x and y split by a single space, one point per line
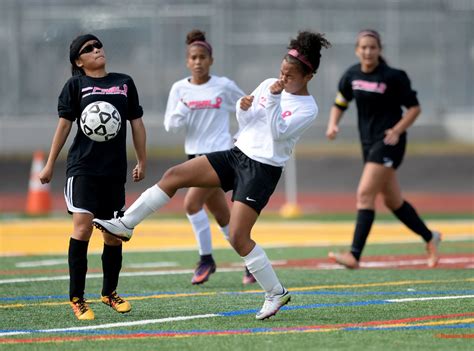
100 121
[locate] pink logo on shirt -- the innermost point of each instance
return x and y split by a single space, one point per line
262 101
205 104
373 87
286 114
105 91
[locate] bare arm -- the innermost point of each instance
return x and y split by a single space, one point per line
392 135
139 142
333 125
59 138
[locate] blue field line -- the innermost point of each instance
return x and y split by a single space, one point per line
315 292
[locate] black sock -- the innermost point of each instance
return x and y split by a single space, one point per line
365 218
408 216
111 266
207 258
77 259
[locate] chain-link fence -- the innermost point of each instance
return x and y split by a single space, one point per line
433 40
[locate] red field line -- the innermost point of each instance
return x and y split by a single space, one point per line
455 336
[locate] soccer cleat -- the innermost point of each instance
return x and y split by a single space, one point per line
116 302
203 271
248 277
114 227
346 259
432 248
81 309
272 304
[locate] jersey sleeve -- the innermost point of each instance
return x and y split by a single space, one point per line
344 95
245 117
176 115
407 95
234 93
68 101
134 108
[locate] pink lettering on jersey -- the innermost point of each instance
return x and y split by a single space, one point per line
105 91
286 114
262 101
373 87
204 104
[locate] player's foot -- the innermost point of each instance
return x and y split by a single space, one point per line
432 248
272 304
116 302
346 259
114 227
248 277
81 309
202 272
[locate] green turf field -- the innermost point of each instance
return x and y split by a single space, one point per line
406 307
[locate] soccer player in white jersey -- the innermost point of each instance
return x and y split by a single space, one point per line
271 120
200 105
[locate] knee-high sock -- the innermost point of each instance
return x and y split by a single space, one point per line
259 265
202 231
225 232
111 266
365 218
150 200
408 216
77 260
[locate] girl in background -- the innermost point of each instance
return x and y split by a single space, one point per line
380 93
200 105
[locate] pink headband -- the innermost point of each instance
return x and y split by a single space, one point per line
301 58
369 33
203 43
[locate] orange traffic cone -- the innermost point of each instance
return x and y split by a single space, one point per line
39 199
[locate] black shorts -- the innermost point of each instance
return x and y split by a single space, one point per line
252 182
100 196
390 156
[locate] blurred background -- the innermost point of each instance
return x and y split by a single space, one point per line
432 40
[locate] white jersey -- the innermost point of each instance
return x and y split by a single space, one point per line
203 112
270 128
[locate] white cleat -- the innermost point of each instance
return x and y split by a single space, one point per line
272 304
432 248
114 227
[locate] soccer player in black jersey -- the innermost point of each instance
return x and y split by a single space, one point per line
380 93
96 171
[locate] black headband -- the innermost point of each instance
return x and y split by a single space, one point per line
77 44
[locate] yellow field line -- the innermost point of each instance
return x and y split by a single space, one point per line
306 288
52 236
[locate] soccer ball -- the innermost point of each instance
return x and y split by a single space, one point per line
100 121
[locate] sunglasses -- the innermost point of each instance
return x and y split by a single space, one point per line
90 48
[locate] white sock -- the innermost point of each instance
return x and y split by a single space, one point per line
259 265
202 231
149 201
225 231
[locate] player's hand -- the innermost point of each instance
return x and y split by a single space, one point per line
332 131
46 174
138 173
277 87
391 137
246 102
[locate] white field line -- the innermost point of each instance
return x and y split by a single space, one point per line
99 275
42 263
401 263
113 325
184 318
432 298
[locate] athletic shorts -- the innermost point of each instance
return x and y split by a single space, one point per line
252 182
390 156
104 197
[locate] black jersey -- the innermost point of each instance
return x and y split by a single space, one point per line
379 96
87 157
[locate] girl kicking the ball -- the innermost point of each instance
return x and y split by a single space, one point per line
96 171
271 121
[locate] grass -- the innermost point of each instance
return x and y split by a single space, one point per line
327 298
